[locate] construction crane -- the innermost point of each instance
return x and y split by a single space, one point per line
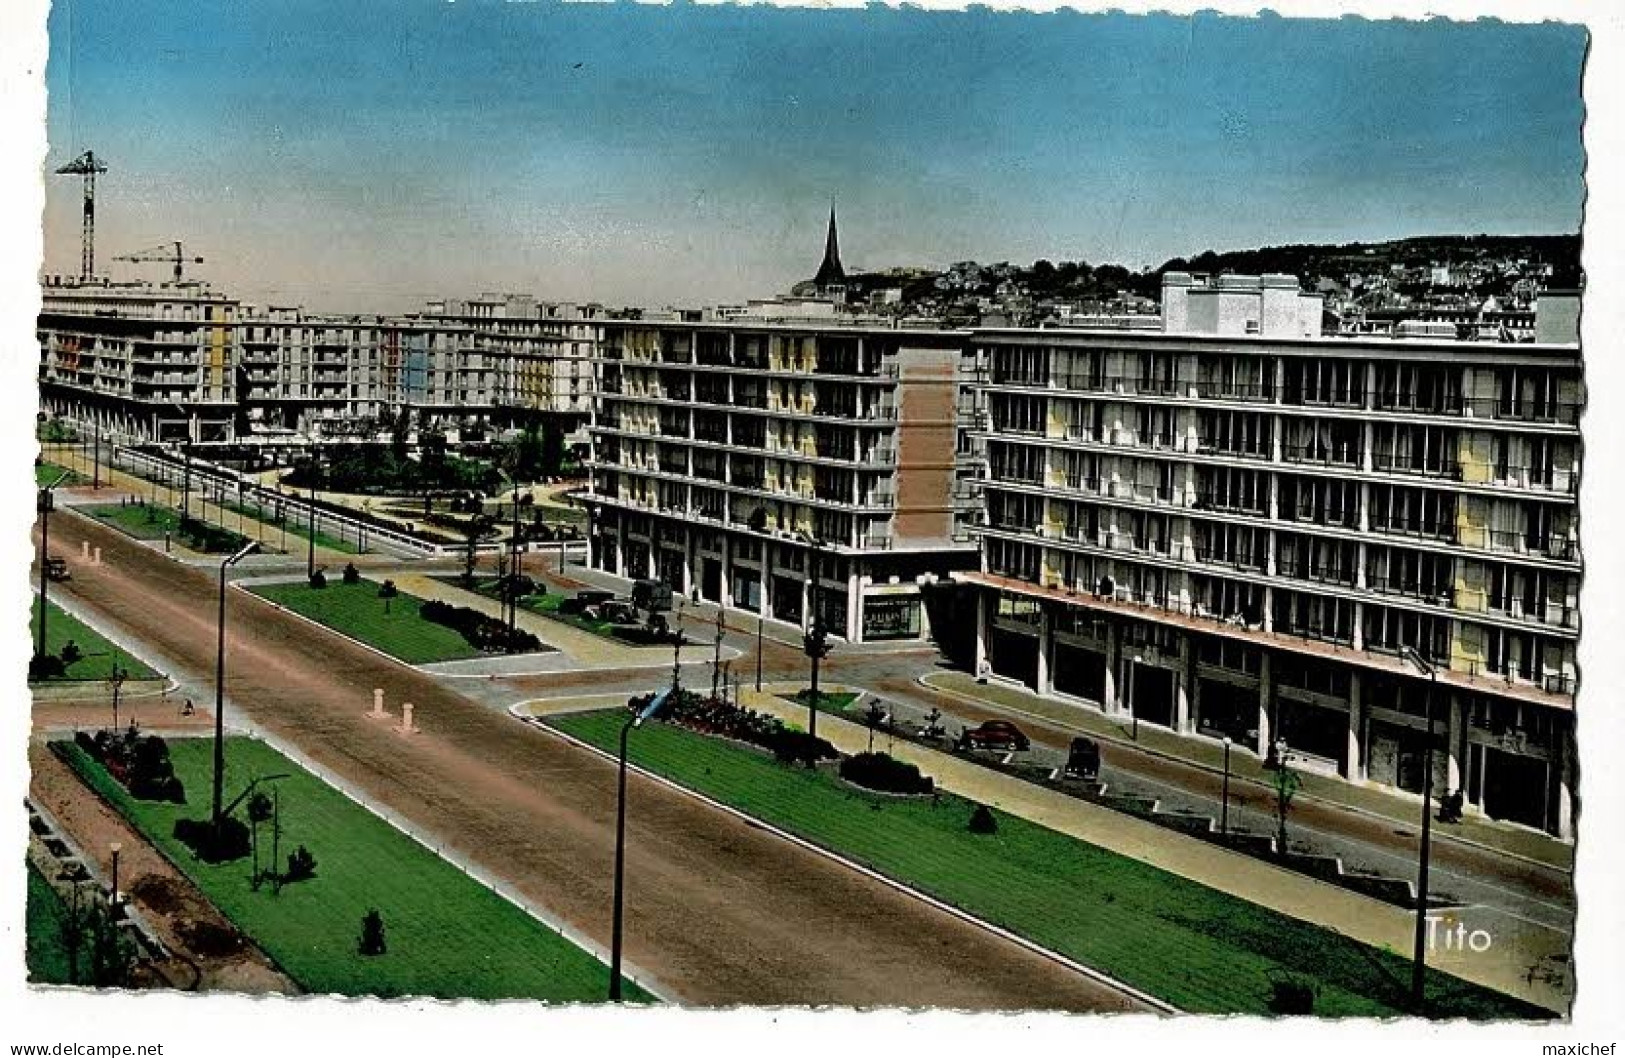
167 253
86 165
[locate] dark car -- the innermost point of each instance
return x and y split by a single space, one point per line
997 734
1083 760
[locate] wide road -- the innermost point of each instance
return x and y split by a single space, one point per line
717 911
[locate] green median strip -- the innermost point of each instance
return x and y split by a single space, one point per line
47 955
1199 949
446 935
97 656
394 626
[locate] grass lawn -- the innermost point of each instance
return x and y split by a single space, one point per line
297 528
837 703
356 611
447 935
45 473
46 949
1202 950
151 522
547 605
98 655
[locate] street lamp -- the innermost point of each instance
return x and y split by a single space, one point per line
1419 956
637 720
815 644
759 622
1133 712
220 687
116 678
1224 811
115 848
47 501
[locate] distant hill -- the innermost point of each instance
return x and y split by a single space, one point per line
942 290
1312 262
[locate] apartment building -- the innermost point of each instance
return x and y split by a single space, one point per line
179 362
544 349
777 468
144 361
1237 528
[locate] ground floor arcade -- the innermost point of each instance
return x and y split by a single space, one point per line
1513 759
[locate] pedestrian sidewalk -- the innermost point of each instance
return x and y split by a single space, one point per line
583 648
1517 946
1402 811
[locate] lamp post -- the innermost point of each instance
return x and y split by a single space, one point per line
220 688
1419 956
637 720
759 623
1133 712
815 644
310 553
115 848
186 480
116 678
1224 810
46 502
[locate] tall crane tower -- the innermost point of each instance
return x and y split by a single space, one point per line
86 165
166 253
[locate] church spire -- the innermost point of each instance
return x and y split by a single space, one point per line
830 273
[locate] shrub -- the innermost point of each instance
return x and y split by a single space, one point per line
199 836
798 747
301 865
151 776
71 653
879 771
46 667
387 590
351 574
480 630
1291 994
982 821
318 579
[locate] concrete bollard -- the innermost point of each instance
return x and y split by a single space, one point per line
407 727
84 550
98 557
378 712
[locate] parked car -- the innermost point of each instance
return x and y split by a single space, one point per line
56 568
1083 761
997 734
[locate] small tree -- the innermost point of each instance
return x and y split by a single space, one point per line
388 591
1286 784
318 579
372 934
873 718
259 811
71 654
351 574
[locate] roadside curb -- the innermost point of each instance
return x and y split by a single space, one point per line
924 680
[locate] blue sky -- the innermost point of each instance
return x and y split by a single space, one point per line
367 155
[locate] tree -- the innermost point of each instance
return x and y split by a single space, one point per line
473 530
1286 784
372 934
400 428
387 592
259 811
351 574
873 718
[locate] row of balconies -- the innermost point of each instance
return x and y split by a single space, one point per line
1508 409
